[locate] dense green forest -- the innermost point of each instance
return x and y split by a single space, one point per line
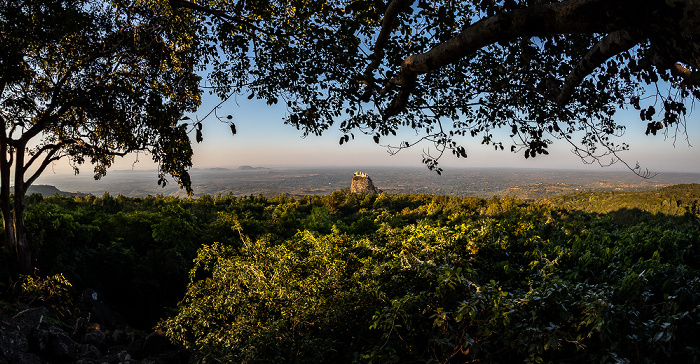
585 277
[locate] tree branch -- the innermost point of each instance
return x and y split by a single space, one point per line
213 12
612 44
43 122
48 160
567 17
690 77
392 11
48 147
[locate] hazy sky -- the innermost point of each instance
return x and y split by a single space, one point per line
264 140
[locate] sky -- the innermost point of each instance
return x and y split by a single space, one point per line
263 139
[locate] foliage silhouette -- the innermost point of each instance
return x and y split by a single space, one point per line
540 69
88 81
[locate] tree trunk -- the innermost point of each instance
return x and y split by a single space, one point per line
23 249
7 218
13 208
24 252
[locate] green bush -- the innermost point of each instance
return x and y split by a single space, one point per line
521 283
388 278
53 292
269 301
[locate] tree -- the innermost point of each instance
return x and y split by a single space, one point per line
88 81
543 69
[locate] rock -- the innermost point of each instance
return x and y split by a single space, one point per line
13 343
95 338
54 343
28 338
89 352
29 320
136 344
99 312
114 350
119 337
123 356
80 328
29 358
361 183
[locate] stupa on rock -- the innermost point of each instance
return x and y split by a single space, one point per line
361 183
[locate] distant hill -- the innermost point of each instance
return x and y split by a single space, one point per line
49 190
217 169
540 190
672 200
250 168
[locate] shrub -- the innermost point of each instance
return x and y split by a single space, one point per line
530 284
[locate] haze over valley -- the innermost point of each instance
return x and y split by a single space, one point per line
253 180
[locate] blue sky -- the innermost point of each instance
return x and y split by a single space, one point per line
264 140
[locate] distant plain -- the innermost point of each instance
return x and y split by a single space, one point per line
244 181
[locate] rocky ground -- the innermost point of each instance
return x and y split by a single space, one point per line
98 335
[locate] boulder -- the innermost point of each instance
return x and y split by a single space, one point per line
29 358
99 312
13 343
119 337
54 343
29 320
156 343
95 338
89 352
136 343
29 338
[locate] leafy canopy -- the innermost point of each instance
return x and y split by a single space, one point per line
89 81
544 70
448 279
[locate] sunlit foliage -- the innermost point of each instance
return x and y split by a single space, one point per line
385 278
506 281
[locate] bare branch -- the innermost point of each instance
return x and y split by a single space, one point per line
50 158
449 106
51 148
393 150
589 156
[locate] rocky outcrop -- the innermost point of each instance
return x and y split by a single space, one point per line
361 183
31 337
